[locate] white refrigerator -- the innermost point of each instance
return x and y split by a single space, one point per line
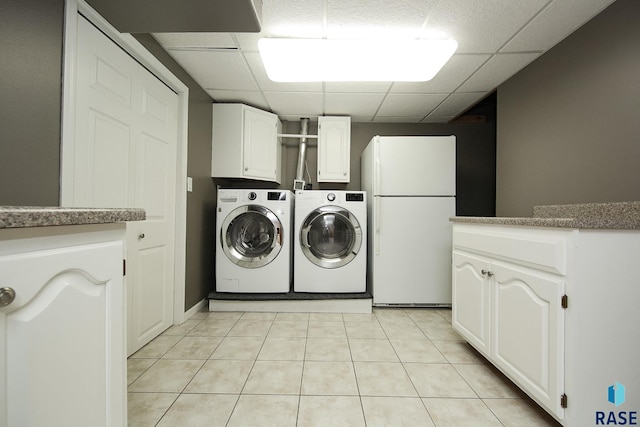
410 183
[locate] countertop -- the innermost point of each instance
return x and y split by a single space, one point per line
613 216
36 216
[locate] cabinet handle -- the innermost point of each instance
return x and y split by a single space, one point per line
7 295
486 272
141 236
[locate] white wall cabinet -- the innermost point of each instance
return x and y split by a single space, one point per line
334 149
245 143
553 309
62 345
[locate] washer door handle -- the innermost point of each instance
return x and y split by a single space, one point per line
305 237
279 232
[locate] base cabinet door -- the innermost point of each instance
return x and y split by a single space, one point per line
528 331
62 337
471 306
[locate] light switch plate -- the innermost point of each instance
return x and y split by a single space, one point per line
189 184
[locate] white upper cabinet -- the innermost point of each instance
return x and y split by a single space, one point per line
334 147
245 143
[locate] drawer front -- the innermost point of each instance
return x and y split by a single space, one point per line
541 249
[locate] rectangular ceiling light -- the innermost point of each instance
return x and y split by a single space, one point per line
313 60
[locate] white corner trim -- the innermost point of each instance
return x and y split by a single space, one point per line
129 44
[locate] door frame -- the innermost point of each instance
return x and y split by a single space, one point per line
134 48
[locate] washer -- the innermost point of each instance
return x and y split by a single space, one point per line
254 241
330 241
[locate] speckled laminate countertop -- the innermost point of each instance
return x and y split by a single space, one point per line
36 216
615 216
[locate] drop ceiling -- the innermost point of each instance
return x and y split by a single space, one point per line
496 39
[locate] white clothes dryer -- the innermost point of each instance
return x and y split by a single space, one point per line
330 254
254 232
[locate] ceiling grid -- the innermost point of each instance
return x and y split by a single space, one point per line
496 39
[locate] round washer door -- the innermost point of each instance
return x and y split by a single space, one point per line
330 237
251 236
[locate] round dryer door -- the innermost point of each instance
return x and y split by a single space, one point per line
251 236
330 237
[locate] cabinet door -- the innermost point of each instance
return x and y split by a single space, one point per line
334 149
471 305
528 331
260 145
62 339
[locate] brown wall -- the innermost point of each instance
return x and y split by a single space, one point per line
568 125
475 142
31 34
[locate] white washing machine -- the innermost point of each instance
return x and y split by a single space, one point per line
254 232
330 241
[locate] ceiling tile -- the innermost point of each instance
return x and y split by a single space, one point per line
554 23
481 26
303 104
216 70
452 75
399 119
434 118
412 105
286 18
361 104
253 98
376 18
357 87
455 104
496 71
265 83
218 40
248 42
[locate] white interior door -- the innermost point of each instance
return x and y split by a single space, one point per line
125 156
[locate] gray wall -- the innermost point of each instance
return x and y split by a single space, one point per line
31 34
201 201
568 125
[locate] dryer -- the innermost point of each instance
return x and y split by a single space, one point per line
254 233
330 254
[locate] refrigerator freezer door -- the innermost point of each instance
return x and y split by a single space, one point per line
414 166
410 255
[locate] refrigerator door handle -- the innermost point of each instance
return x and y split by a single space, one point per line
376 237
376 181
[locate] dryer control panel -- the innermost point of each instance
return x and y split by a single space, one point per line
354 197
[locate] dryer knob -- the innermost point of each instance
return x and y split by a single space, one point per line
331 197
252 196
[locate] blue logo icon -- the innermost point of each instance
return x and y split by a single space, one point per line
616 394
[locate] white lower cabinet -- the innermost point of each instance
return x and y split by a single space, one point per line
528 331
62 326
471 308
510 309
556 310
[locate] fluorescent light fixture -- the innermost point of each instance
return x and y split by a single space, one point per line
313 60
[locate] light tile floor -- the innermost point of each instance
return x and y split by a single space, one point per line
394 367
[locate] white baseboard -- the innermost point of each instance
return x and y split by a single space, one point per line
193 310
